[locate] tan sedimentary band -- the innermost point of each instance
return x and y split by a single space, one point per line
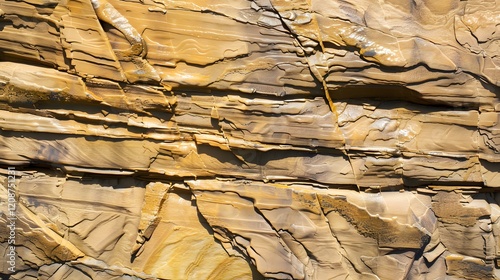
247 139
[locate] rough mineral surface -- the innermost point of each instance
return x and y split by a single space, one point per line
264 139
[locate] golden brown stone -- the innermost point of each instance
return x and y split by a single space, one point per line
250 139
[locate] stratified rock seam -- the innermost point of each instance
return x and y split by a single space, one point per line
265 139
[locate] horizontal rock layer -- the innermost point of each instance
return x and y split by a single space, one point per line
252 139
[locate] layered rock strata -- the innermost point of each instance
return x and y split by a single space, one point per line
263 139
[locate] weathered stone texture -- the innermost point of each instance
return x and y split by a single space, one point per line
251 139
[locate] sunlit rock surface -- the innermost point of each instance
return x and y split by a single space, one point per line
264 139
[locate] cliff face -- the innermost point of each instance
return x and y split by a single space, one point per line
158 139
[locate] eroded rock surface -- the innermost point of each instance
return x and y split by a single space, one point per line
263 139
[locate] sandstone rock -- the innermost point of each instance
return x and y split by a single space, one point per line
250 139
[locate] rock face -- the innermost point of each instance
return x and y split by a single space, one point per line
265 139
